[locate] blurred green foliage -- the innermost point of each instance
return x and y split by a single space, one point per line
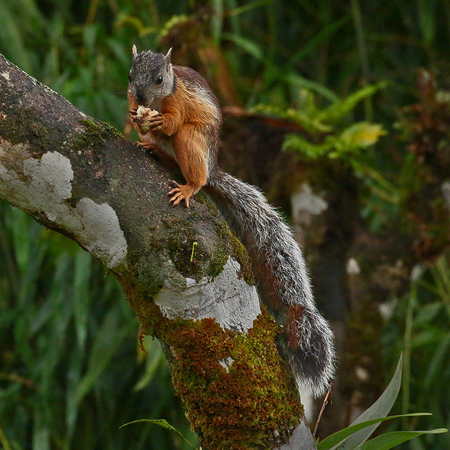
420 328
70 371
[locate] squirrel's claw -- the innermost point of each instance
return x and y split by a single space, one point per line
176 199
145 146
181 192
132 113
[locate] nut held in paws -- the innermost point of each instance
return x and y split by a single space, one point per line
144 114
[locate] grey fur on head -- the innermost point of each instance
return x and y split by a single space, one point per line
151 76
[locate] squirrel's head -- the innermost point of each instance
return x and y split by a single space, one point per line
151 77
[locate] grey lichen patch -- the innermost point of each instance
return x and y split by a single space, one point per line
227 298
7 77
42 187
101 233
227 363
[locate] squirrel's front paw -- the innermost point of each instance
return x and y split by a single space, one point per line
155 122
132 114
142 118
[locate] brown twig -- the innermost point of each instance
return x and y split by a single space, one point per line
324 404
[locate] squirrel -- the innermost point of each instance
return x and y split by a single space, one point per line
180 126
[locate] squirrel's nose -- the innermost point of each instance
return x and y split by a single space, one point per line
140 97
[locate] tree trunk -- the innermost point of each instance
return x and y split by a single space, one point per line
186 276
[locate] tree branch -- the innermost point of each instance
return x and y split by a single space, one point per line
186 276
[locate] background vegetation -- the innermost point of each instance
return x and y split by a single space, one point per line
70 370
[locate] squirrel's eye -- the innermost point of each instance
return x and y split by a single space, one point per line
159 80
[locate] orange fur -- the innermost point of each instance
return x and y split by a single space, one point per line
132 101
184 121
186 107
187 118
189 146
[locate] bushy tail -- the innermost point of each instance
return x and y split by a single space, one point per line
281 276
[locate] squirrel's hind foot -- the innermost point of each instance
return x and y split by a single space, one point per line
181 192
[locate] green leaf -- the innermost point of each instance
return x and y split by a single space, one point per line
161 423
245 44
427 337
12 38
294 115
73 378
332 441
154 359
82 274
378 410
437 364
390 440
317 40
298 143
217 20
41 431
427 21
120 53
361 135
108 339
237 10
338 110
174 20
4 441
21 238
297 80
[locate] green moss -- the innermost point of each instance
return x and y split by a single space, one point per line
186 254
231 246
142 303
95 134
194 254
217 264
196 258
101 128
240 254
234 385
22 126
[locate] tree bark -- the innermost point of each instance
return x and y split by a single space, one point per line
186 276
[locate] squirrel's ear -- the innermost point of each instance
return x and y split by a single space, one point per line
134 51
167 57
